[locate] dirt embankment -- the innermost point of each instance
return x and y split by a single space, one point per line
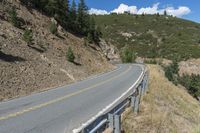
25 69
165 108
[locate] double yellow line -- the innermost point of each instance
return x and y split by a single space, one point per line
59 99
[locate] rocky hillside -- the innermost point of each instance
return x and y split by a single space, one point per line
43 64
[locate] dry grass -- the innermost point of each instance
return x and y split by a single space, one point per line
165 108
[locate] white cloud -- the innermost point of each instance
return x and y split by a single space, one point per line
179 12
98 11
125 8
149 10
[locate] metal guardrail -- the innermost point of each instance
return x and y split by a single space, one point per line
111 116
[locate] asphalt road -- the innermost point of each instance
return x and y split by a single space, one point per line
62 109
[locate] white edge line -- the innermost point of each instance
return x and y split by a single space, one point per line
77 130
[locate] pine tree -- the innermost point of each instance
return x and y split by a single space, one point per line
64 13
98 34
73 16
165 13
52 7
83 17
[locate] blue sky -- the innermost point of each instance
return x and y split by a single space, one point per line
190 11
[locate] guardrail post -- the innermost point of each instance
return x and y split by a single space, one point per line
117 124
147 82
111 121
133 97
143 87
137 100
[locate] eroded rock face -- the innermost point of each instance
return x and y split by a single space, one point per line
189 67
111 53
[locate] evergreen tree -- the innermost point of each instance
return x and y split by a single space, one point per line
65 13
73 16
98 34
165 13
94 31
52 7
83 17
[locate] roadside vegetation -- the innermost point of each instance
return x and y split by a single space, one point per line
190 82
165 108
127 55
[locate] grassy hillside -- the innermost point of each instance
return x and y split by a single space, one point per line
152 35
165 108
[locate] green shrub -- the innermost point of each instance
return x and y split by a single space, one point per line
70 55
28 36
151 61
53 28
13 17
127 55
171 72
191 83
89 38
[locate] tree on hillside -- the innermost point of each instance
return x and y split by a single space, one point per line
165 13
91 32
83 17
65 17
59 9
94 32
52 7
73 16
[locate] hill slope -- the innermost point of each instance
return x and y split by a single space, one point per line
165 108
25 69
152 35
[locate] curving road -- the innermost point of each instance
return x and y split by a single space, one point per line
62 109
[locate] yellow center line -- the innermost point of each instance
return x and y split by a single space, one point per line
59 99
